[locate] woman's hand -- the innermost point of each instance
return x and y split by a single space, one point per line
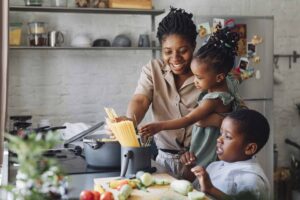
150 129
188 158
204 180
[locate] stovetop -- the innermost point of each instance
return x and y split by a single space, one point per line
72 163
76 164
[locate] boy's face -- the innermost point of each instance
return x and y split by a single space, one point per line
231 146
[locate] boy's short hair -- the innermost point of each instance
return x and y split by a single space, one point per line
253 125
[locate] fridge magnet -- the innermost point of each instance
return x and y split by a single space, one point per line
230 23
256 40
255 59
251 49
204 29
241 29
218 24
257 74
246 74
243 64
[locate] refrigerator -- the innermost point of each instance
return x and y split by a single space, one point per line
257 91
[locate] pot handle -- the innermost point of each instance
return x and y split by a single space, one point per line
124 168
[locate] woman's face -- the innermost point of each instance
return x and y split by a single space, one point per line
231 144
177 52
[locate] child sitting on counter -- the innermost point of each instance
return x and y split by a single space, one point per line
237 175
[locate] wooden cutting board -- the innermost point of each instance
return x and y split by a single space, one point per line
156 192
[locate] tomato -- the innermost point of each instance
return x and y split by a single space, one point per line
86 195
96 195
107 196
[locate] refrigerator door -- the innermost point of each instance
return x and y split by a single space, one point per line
265 156
260 87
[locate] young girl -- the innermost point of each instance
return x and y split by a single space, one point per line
210 66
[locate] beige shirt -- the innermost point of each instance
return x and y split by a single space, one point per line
157 83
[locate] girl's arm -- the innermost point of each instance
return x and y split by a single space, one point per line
205 108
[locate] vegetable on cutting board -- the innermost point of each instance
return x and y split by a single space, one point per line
146 179
182 186
159 181
196 195
125 192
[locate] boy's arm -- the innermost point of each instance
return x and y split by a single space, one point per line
206 185
205 108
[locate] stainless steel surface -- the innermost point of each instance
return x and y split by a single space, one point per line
87 10
55 38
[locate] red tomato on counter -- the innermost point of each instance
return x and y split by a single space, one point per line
107 196
86 195
96 195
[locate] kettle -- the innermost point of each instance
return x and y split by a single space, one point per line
134 159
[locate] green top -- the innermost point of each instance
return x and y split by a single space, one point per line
204 139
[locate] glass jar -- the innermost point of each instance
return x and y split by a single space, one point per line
99 3
33 2
38 39
15 33
37 27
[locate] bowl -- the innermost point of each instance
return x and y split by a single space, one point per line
81 41
121 41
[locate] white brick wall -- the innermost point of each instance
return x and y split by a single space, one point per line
75 85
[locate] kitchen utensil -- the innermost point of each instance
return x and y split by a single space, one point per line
33 2
59 3
121 41
55 38
101 154
144 40
134 159
37 27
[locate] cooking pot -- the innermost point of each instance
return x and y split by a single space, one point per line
101 154
135 159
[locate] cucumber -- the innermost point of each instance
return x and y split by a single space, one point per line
146 179
182 186
125 192
196 195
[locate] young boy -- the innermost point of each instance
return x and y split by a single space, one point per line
237 175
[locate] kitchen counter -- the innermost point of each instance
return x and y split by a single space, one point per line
77 181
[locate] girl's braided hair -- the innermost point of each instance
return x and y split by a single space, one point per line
177 22
220 50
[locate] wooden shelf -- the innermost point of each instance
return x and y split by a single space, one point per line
152 12
80 48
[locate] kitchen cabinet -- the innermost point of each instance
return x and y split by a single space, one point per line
152 13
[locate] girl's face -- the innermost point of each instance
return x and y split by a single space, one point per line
231 146
177 52
205 78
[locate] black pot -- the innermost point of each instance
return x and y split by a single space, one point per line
102 154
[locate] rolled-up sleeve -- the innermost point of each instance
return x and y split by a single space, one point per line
145 82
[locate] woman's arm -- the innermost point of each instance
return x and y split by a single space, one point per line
137 107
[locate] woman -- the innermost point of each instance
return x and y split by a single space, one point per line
167 85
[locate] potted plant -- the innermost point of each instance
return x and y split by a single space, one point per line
38 177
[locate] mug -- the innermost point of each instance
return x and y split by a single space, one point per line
55 38
144 40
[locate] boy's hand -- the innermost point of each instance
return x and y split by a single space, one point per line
150 129
188 158
204 180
